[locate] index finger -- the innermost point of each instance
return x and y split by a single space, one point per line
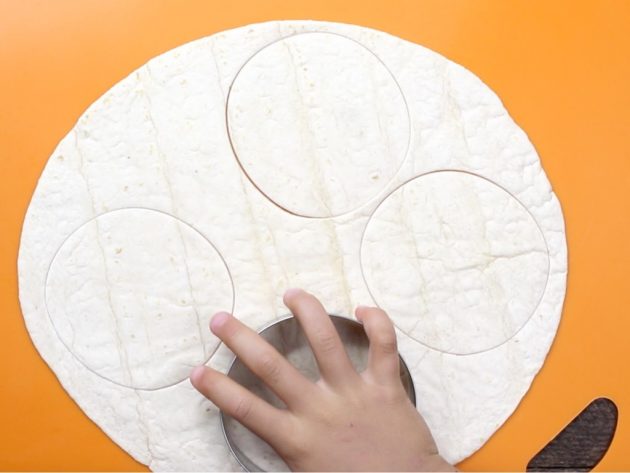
266 421
263 359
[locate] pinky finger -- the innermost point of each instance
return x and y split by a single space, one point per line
234 400
383 362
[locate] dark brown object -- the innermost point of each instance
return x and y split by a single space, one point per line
581 444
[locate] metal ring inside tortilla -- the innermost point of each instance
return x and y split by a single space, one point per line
241 457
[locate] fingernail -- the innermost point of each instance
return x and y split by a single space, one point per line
358 311
218 320
294 291
197 374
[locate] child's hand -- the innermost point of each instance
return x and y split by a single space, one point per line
345 421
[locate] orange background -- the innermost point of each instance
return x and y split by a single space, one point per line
562 70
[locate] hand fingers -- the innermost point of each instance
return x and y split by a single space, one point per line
233 399
383 362
334 365
260 357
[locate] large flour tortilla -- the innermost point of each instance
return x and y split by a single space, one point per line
362 167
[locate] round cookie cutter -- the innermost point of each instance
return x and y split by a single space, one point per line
286 336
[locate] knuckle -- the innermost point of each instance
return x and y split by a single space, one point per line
242 409
326 342
393 396
296 448
269 368
386 343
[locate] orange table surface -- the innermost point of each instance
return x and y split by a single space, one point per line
561 68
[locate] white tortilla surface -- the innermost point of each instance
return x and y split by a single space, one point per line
362 167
